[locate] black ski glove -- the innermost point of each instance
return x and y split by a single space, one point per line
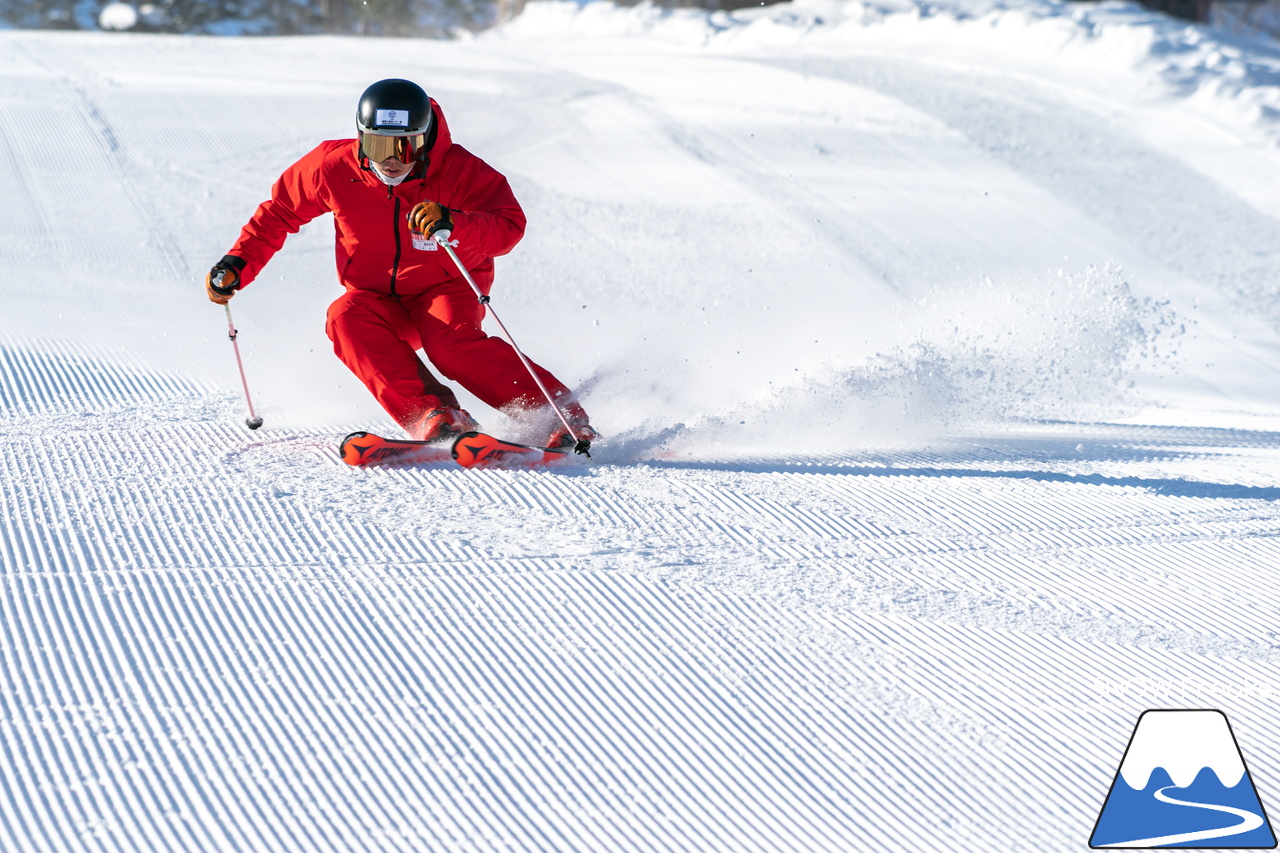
223 280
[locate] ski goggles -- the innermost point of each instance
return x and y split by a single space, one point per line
402 148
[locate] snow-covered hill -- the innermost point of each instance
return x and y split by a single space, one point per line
936 353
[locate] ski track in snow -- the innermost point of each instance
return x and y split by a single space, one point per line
213 639
238 643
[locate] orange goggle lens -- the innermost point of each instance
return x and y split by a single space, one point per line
403 148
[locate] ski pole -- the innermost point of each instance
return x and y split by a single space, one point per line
580 445
253 421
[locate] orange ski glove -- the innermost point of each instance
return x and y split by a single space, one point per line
223 280
428 217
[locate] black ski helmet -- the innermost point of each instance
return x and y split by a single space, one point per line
394 118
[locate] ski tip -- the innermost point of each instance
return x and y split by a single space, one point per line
350 450
470 448
478 450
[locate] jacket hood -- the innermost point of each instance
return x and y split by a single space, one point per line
443 141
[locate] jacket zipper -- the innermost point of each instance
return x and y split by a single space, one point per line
395 224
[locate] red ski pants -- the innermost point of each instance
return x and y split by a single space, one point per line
376 335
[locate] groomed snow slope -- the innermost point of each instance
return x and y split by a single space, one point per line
936 356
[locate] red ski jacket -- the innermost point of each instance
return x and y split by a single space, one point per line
373 245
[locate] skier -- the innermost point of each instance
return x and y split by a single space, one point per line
395 186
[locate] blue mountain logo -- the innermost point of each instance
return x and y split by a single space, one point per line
1183 783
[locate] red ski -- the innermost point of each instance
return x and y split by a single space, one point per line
365 448
477 450
470 450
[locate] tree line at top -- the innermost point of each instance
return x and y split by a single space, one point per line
434 18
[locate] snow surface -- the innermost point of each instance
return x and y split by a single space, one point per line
935 347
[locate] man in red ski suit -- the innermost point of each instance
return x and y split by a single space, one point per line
390 191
